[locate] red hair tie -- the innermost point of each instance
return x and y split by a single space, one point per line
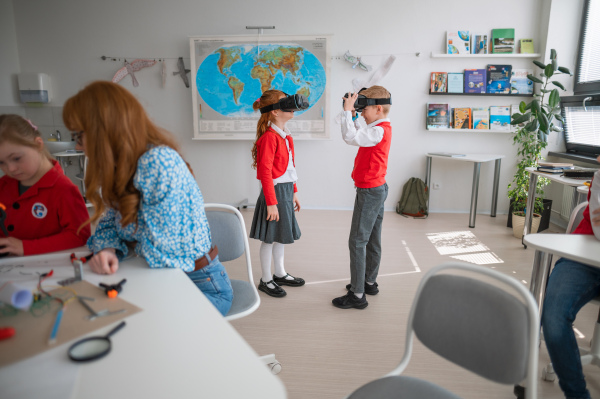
258 100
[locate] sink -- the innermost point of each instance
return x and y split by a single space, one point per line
59 146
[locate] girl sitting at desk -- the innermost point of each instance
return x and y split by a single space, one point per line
43 208
145 196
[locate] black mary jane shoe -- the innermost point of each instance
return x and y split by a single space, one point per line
296 282
276 291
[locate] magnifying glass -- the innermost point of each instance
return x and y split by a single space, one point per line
92 348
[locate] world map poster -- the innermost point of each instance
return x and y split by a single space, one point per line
230 73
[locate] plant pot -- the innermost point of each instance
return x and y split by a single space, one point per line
518 224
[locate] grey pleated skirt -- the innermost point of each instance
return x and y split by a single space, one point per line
286 230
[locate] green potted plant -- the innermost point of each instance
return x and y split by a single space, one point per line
534 121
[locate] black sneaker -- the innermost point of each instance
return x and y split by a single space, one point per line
296 282
350 301
370 289
276 292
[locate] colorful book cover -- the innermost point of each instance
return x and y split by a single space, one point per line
458 42
503 41
475 80
498 78
481 118
462 118
526 46
438 82
479 43
519 83
500 118
438 116
456 82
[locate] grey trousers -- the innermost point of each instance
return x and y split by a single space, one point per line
365 236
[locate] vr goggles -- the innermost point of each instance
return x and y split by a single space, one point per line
362 101
296 102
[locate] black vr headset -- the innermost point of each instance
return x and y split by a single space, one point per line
296 102
362 101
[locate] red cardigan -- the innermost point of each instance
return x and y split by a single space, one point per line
46 217
272 159
585 226
370 164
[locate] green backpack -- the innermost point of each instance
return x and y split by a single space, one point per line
414 199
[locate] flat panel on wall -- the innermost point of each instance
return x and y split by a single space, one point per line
229 73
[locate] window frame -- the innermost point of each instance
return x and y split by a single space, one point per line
585 87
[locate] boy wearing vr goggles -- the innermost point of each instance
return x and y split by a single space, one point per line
370 167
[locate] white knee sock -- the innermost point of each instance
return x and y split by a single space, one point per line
278 250
266 251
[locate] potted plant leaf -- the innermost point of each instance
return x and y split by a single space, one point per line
534 121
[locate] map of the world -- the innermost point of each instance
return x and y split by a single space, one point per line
231 78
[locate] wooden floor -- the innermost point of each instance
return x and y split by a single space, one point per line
327 352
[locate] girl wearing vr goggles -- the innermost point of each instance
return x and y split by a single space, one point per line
274 222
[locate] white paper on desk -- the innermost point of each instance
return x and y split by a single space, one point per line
26 272
49 375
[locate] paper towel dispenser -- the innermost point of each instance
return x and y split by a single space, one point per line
34 88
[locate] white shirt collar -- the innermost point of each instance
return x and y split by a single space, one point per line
283 132
378 121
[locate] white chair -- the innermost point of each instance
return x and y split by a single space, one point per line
592 355
228 233
487 330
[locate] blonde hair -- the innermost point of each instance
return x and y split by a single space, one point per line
117 133
268 97
17 130
378 92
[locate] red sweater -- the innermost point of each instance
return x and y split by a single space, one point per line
272 159
585 226
370 164
46 217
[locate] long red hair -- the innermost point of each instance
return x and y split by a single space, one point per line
117 132
268 97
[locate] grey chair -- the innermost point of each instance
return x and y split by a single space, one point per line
592 355
228 233
485 329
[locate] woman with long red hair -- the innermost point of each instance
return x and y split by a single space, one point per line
145 196
274 221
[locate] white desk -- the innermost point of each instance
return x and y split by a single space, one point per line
477 159
533 175
578 247
178 346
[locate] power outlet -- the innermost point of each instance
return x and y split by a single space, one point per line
436 186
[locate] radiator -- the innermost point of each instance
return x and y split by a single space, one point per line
569 201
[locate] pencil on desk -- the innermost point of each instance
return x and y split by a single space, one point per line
52 339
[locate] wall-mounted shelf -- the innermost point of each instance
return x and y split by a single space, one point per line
471 130
433 93
509 55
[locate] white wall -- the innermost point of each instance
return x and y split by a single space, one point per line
9 58
65 39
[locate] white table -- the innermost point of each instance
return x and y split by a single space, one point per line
578 247
533 175
477 159
178 346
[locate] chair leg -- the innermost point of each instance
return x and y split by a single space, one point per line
272 363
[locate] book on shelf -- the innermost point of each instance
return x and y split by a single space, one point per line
555 164
475 80
503 41
438 116
438 82
447 154
548 169
479 43
462 118
481 118
458 42
520 83
498 78
456 82
526 46
500 118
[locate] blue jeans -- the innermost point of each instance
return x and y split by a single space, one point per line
214 283
570 286
365 236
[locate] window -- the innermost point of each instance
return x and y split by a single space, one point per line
582 124
587 77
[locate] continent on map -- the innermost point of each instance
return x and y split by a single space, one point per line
264 76
237 86
229 56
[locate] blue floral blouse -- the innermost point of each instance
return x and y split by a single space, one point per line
172 230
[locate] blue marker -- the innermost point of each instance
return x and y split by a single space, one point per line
55 328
